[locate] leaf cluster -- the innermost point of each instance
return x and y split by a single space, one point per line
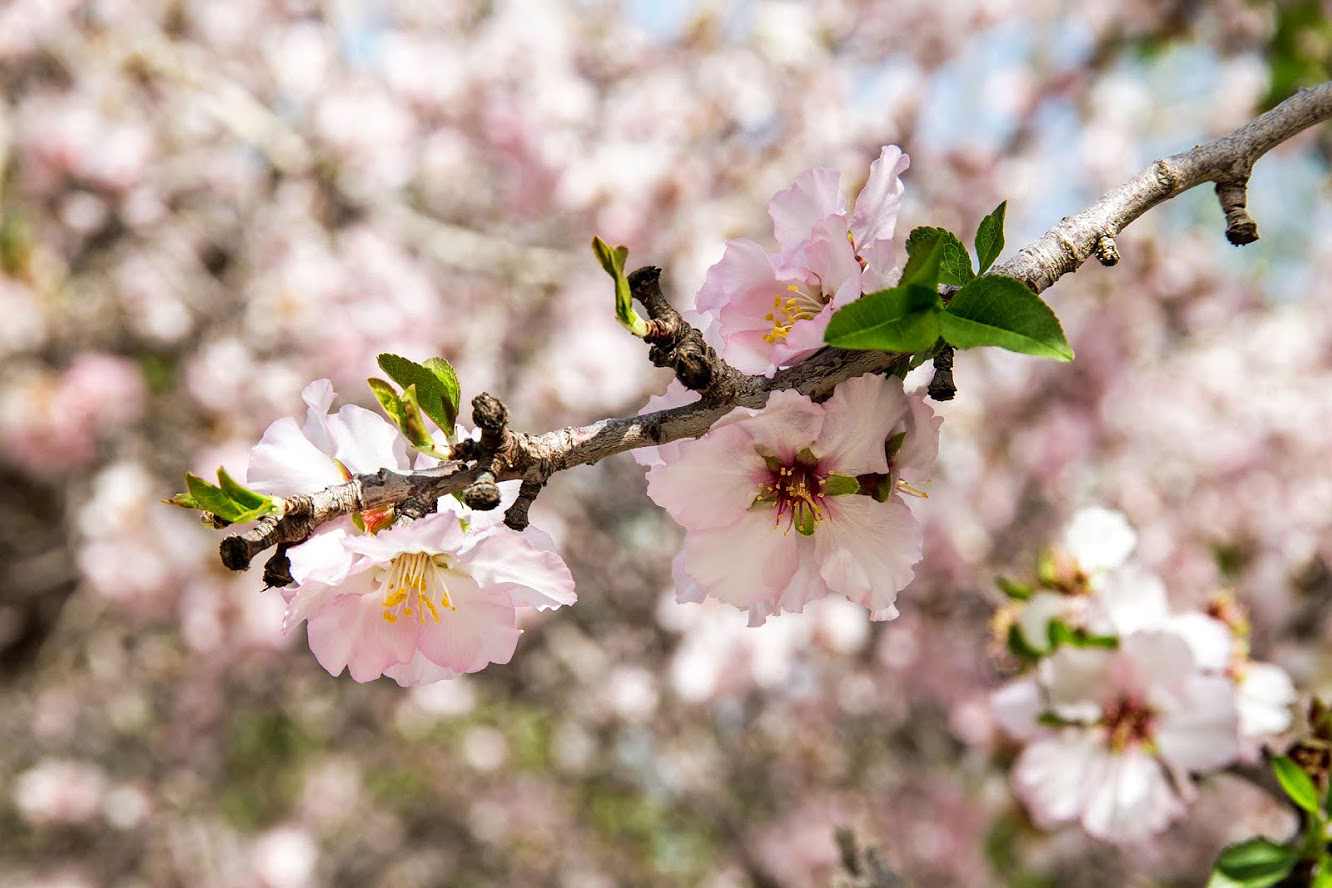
986 309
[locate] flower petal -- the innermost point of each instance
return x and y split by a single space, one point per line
1201 731
352 632
859 418
920 448
875 218
522 566
1053 775
419 671
744 563
790 423
1130 797
479 632
815 194
285 462
867 549
713 481
365 442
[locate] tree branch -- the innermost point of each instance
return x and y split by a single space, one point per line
504 455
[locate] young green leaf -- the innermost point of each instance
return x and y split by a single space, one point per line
242 496
448 381
954 261
389 399
612 260
925 250
904 319
1019 646
1323 877
990 238
1001 311
436 398
1297 784
1254 863
209 497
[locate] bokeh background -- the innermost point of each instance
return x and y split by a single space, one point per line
207 204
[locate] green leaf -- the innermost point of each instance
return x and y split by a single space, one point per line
990 238
388 398
1001 311
925 251
903 319
1015 591
1297 784
1323 877
231 502
448 381
840 485
184 501
241 496
954 261
437 398
1254 863
612 260
893 445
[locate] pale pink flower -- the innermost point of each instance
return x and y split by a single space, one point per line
422 601
59 791
764 534
304 459
1264 695
771 309
1133 723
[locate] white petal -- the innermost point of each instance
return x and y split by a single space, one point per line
1265 695
285 462
419 671
479 632
1099 539
1078 681
1201 731
365 442
318 397
1017 707
875 217
1053 775
1130 797
790 423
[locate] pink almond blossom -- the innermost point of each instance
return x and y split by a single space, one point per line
766 533
425 600
771 309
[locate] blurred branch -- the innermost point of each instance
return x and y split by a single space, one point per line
514 455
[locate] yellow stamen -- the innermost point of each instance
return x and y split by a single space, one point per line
413 581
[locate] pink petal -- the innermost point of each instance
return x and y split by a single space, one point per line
750 561
419 671
439 534
859 418
807 583
875 217
479 632
1079 680
867 549
790 423
352 632
323 558
311 598
815 194
318 397
714 480
522 566
920 447
1017 705
745 268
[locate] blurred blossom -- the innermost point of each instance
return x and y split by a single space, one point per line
284 857
59 791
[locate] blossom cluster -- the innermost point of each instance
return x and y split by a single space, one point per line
1124 700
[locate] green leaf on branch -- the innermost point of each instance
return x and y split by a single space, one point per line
1297 784
925 251
1001 311
990 238
227 500
1020 647
1323 877
954 260
1254 863
436 384
903 319
388 398
612 260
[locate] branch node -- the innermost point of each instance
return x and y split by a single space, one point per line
492 418
942 387
235 553
516 515
1106 251
483 494
1241 228
277 570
